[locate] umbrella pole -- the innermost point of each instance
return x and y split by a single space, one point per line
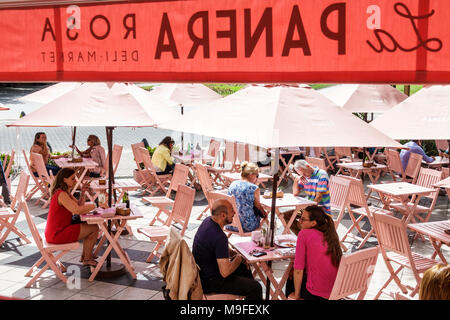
182 134
74 134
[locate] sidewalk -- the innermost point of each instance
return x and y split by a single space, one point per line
16 258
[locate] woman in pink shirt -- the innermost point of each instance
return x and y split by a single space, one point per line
317 257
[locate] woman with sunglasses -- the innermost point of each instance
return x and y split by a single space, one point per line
247 194
317 257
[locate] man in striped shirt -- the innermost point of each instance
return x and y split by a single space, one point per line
314 182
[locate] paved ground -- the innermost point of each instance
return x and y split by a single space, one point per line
17 257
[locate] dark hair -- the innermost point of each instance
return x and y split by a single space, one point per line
167 141
36 137
325 224
59 180
219 210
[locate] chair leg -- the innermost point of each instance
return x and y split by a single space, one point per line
200 216
154 252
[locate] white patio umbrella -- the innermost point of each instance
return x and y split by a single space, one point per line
424 116
183 96
100 104
50 93
3 108
364 98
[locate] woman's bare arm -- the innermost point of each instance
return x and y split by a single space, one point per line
70 204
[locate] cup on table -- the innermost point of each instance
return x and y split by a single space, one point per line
256 236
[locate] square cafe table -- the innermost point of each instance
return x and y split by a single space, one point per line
197 155
113 240
356 169
81 168
288 200
435 231
244 245
401 191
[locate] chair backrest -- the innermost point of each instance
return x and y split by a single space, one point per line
445 173
236 220
214 147
180 176
38 161
117 154
136 154
230 154
317 151
343 152
36 180
427 178
393 161
354 274
441 144
21 188
339 190
182 207
317 162
413 166
392 234
7 167
356 194
243 152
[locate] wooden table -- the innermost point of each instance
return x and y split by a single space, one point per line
435 231
444 184
438 163
401 191
287 151
244 246
113 240
81 168
197 155
288 200
356 169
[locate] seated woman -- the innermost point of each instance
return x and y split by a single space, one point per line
97 153
247 195
40 146
61 227
162 159
317 257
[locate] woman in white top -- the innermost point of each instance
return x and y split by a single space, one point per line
97 153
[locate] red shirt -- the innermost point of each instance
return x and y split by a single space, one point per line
59 228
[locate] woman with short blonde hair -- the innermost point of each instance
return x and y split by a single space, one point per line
97 153
247 194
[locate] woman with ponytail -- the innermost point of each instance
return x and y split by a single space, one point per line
247 194
317 257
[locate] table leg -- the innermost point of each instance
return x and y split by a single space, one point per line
277 285
437 250
79 180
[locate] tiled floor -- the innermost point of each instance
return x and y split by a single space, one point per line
17 257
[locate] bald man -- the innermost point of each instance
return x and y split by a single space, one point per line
220 273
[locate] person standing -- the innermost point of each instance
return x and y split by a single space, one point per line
220 271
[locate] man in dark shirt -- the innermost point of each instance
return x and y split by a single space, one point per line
219 273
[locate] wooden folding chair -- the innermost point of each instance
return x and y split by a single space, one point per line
181 212
9 215
317 162
441 144
230 156
206 184
213 151
344 154
37 183
45 179
180 177
394 165
357 198
395 248
47 250
155 182
413 167
117 154
242 152
354 274
426 178
339 189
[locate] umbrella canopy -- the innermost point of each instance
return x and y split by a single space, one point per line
3 108
425 116
364 98
50 93
100 104
280 117
184 94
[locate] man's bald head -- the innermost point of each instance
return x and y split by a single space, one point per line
221 206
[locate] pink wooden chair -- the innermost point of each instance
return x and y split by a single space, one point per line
441 144
317 162
230 156
395 248
156 182
37 182
213 151
180 176
354 274
206 184
140 174
47 250
117 154
181 212
45 179
339 189
243 152
426 178
413 167
357 199
9 215
445 173
394 165
7 168
344 154
214 196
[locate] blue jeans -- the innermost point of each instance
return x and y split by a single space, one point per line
53 169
